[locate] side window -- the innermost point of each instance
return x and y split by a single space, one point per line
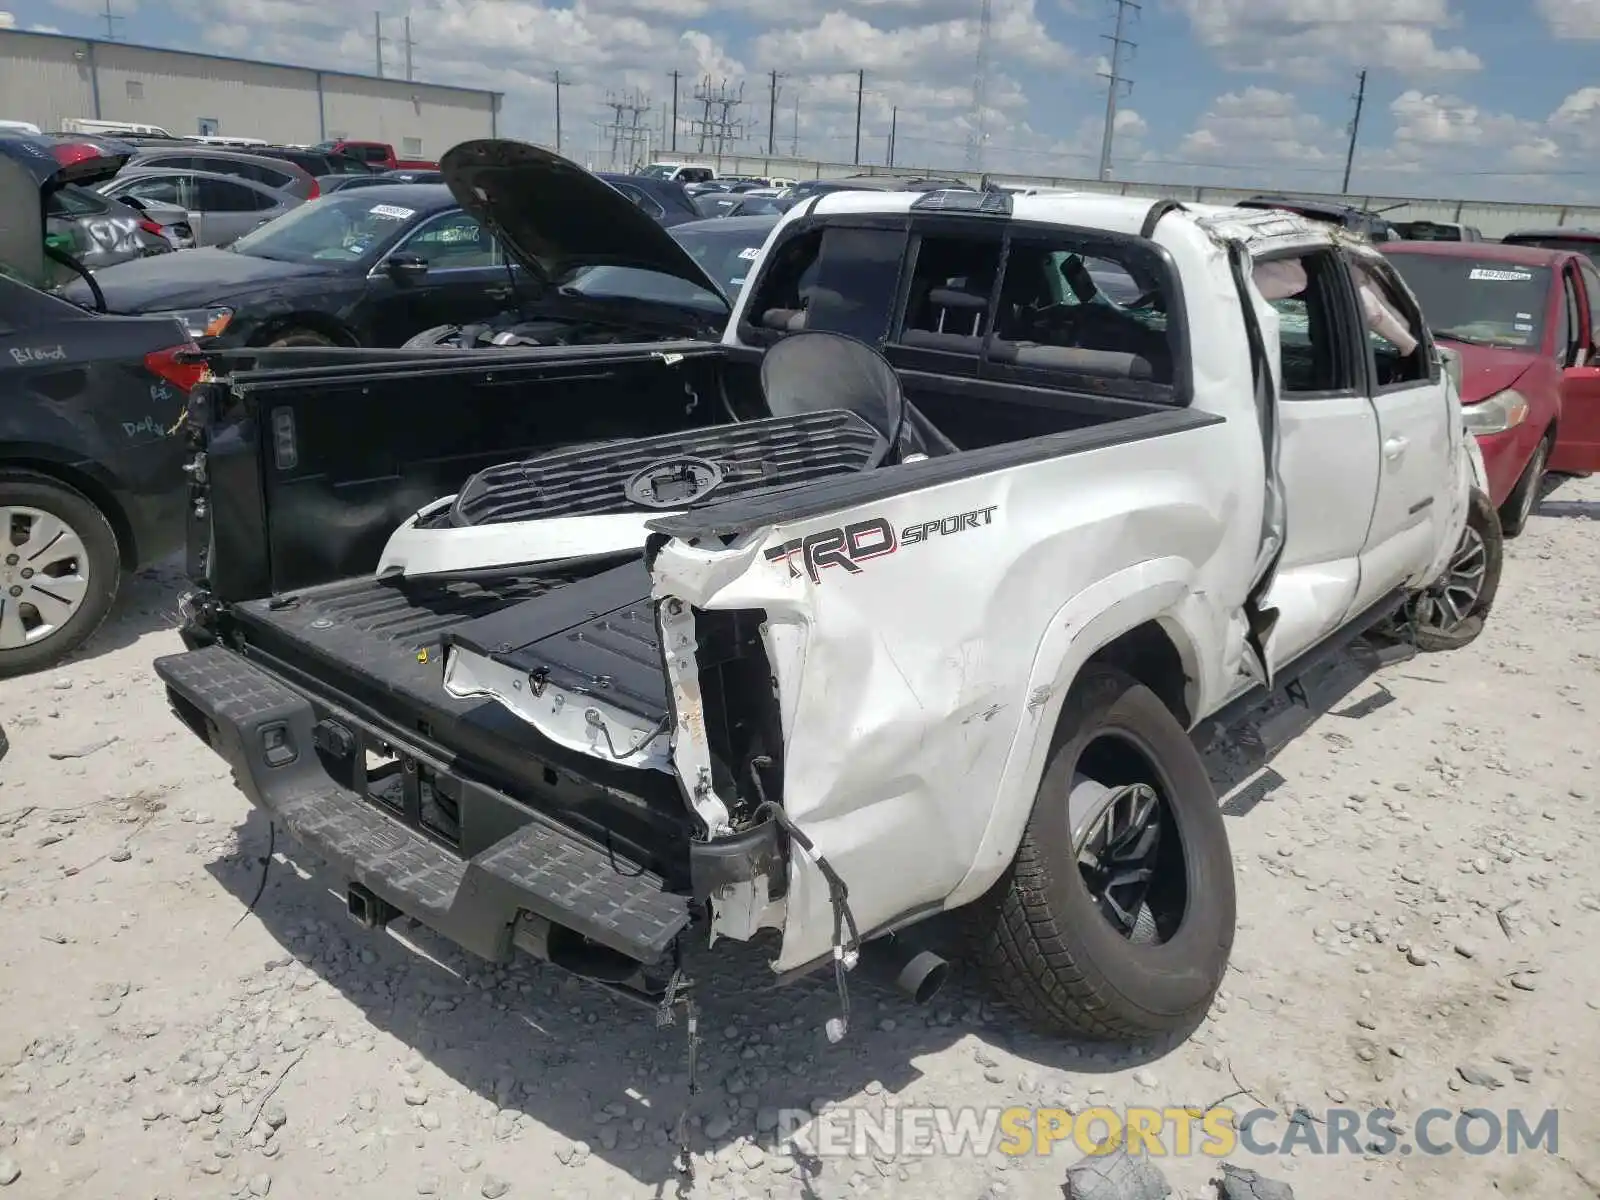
1395 331
948 303
1071 307
158 189
841 278
1313 346
258 172
641 200
454 240
1571 345
1591 287
220 196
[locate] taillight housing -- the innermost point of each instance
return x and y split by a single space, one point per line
150 226
316 189
181 375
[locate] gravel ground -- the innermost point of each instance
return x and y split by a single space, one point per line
1418 872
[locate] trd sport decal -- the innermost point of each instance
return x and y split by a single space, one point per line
851 545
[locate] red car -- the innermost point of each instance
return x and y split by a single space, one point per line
1526 322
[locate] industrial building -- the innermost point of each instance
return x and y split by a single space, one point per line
47 79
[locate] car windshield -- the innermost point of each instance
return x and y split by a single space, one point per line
1478 300
724 254
658 171
338 228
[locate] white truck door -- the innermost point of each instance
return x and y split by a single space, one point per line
1414 436
1329 455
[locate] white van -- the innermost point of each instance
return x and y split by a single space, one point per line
27 127
93 128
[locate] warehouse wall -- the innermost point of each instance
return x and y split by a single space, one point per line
47 79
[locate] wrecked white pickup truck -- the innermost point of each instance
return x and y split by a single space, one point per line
824 655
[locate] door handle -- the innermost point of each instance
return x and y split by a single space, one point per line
498 293
1394 447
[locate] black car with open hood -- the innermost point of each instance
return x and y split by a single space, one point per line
558 219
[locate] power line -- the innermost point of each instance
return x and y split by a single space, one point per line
1114 81
718 125
1355 128
630 138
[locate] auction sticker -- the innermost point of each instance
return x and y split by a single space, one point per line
1487 273
397 213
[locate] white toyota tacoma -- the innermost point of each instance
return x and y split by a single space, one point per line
901 599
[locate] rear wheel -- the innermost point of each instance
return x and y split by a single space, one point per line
60 571
1519 505
1450 612
1117 917
438 335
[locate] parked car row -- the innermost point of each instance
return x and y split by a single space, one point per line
380 263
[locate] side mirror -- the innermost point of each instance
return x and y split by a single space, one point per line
406 268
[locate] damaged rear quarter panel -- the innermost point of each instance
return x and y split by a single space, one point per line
904 677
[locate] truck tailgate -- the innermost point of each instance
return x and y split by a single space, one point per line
294 759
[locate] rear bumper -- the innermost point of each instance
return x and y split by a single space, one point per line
506 876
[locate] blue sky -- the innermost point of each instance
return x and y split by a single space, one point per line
1495 99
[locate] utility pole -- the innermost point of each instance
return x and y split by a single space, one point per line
559 85
772 114
675 112
794 141
1114 81
861 87
111 20
377 39
894 126
409 44
1355 128
978 135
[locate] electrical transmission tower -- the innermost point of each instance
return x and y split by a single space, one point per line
1120 45
977 136
111 19
630 136
719 122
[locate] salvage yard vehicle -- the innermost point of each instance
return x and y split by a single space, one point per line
91 484
1524 321
577 649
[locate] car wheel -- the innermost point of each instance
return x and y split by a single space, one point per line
1117 916
1450 612
60 571
1514 513
300 337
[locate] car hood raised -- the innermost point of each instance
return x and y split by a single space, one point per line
1486 370
192 278
554 217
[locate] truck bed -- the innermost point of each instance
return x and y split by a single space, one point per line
373 648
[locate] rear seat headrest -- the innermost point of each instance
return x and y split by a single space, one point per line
785 320
957 298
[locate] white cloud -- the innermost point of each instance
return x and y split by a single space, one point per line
1260 125
1571 18
7 21
1307 38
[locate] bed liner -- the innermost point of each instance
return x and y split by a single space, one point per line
374 647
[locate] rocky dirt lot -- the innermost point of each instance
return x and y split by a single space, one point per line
1419 887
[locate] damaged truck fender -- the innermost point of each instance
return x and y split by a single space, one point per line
1157 591
902 722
